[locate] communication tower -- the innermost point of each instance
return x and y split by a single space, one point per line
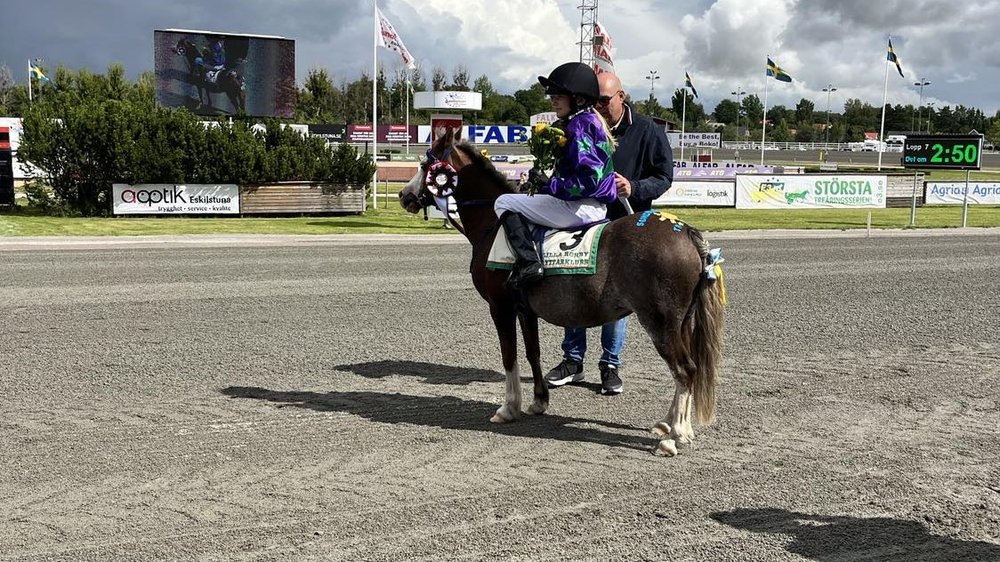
588 20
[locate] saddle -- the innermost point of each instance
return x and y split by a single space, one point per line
564 252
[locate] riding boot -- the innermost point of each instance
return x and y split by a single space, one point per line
527 265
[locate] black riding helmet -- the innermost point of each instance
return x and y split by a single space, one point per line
572 78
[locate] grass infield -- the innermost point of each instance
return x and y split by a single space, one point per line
391 219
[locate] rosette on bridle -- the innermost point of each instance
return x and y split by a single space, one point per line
441 179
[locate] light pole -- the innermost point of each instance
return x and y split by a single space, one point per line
920 106
653 76
829 89
739 93
930 108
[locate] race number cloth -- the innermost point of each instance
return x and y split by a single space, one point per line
563 252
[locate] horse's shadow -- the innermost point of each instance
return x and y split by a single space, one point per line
827 538
447 412
430 373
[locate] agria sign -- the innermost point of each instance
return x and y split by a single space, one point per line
164 199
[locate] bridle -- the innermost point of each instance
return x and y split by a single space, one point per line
440 182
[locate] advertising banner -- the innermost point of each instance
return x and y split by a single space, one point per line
332 134
695 139
484 134
225 74
710 173
698 194
22 170
953 193
810 191
172 199
447 100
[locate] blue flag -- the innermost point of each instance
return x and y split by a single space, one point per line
893 58
36 72
775 70
687 78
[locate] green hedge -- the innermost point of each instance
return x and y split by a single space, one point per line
86 147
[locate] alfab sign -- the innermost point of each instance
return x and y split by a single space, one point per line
174 199
483 134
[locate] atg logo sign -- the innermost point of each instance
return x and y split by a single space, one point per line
164 199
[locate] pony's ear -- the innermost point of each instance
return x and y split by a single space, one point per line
457 134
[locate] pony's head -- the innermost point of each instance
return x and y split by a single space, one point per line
452 168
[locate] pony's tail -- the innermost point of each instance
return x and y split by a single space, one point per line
704 322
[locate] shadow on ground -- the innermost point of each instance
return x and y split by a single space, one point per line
449 412
829 538
430 373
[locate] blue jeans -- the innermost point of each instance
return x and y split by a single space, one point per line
612 339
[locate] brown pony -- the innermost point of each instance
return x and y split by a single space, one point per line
647 265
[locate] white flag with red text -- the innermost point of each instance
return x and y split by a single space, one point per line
604 50
389 39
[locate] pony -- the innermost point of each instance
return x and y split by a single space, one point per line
654 268
228 80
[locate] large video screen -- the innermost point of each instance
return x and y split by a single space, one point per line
225 74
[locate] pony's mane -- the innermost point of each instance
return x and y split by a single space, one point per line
484 164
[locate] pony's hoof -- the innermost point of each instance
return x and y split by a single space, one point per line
661 429
666 448
537 408
505 415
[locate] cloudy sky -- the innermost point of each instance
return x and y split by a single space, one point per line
721 43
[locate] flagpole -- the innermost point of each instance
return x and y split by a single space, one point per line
375 104
885 90
684 110
407 110
763 128
29 81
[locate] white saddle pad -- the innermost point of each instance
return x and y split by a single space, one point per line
563 252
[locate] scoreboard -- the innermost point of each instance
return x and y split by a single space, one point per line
955 152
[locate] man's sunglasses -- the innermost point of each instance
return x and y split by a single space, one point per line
605 100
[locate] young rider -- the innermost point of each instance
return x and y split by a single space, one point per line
583 181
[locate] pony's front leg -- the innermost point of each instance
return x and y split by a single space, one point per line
506 325
529 331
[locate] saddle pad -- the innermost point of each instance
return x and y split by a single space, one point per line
563 252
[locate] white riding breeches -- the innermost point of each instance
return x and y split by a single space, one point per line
551 211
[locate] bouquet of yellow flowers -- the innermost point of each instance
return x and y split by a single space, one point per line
546 144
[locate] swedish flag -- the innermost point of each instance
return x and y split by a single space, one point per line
775 70
687 78
36 72
893 58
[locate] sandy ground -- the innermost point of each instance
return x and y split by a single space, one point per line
329 401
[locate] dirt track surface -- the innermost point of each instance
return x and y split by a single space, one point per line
330 402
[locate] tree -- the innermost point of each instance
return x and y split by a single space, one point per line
753 109
860 115
694 111
483 86
804 111
805 131
780 132
318 98
726 112
438 79
460 79
993 130
778 113
533 99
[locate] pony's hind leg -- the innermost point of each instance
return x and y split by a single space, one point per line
507 330
675 429
529 331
